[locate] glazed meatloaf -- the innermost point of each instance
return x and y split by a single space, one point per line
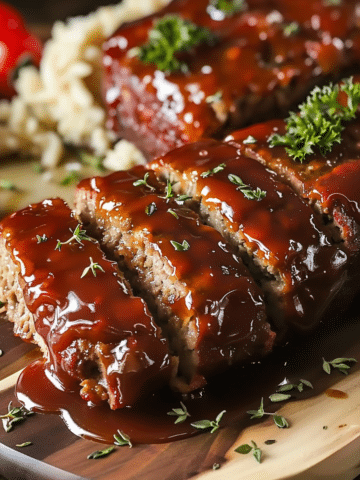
208 306
63 294
240 62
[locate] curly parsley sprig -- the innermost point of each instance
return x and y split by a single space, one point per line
169 36
319 123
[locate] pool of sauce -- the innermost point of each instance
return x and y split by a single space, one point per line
237 391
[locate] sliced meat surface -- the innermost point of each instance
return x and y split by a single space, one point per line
63 294
264 59
288 249
207 305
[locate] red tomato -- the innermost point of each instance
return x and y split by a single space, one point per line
17 46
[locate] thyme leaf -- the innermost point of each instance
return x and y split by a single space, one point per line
78 235
279 397
7 184
279 421
246 448
214 170
180 413
13 416
173 213
169 36
180 247
92 160
151 208
226 7
41 238
71 178
121 439
246 190
143 181
25 444
215 98
339 364
181 199
213 424
101 453
92 267
249 140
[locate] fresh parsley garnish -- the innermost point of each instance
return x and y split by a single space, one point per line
121 439
319 124
169 36
246 190
279 421
150 209
92 267
180 247
41 238
143 181
211 172
338 364
78 235
246 448
101 453
213 424
180 413
227 7
14 416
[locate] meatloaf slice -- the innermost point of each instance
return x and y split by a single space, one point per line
208 307
63 294
285 244
263 60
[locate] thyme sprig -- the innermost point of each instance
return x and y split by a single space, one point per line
246 448
101 453
180 413
227 7
41 238
122 440
286 387
246 190
78 235
320 121
338 364
181 199
279 420
173 213
14 416
143 181
92 267
180 247
169 36
213 424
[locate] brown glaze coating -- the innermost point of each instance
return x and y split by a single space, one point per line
222 303
97 309
259 70
281 231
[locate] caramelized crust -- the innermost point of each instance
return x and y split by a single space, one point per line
207 305
89 326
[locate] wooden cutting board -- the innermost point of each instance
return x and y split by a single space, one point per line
322 441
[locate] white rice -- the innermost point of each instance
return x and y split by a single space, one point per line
61 102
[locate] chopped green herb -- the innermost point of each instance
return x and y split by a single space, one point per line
217 97
291 29
2 304
91 160
269 442
25 444
101 453
339 364
121 439
180 413
286 387
246 448
78 235
13 416
71 178
249 140
143 181
181 199
7 185
211 172
228 7
150 209
38 168
173 213
279 421
213 424
247 191
92 267
180 247
325 427
169 190
216 466
41 238
169 36
320 121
